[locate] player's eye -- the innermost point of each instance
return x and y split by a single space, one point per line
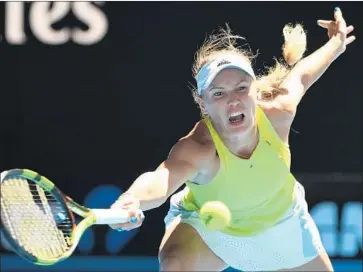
241 88
218 94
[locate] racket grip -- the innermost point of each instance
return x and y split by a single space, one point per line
112 216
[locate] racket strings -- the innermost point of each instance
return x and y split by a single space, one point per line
35 219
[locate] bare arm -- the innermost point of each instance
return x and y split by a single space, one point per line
152 189
312 67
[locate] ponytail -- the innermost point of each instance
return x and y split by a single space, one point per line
293 51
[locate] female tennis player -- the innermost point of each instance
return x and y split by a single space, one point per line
241 206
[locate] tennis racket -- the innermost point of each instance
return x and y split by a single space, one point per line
38 221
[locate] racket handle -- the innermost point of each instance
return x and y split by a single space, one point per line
113 216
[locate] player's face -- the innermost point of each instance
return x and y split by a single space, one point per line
230 101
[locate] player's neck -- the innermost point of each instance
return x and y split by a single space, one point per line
243 145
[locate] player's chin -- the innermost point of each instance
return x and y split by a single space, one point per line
239 130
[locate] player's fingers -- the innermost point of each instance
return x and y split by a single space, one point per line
350 29
324 23
125 226
131 206
338 15
121 227
349 40
136 218
135 222
127 201
124 202
340 20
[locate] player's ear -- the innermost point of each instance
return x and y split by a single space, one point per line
200 103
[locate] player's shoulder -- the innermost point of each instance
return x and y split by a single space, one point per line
280 119
197 143
200 135
277 109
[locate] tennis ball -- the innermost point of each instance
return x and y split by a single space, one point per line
215 215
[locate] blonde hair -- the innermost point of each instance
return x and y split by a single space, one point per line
293 50
224 42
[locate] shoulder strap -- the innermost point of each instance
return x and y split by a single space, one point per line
266 129
220 147
269 134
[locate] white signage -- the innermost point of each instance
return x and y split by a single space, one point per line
42 15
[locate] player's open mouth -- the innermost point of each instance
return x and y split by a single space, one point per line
236 118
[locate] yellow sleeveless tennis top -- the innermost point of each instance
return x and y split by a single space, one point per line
257 191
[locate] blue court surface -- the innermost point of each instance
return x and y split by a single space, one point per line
122 263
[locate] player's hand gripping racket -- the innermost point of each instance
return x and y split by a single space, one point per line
37 219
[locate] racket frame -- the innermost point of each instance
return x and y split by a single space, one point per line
67 203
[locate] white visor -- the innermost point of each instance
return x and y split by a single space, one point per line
211 69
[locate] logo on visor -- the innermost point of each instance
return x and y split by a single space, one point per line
223 62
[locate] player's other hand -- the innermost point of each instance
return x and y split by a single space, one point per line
132 205
338 29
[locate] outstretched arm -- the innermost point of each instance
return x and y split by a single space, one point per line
151 189
310 69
